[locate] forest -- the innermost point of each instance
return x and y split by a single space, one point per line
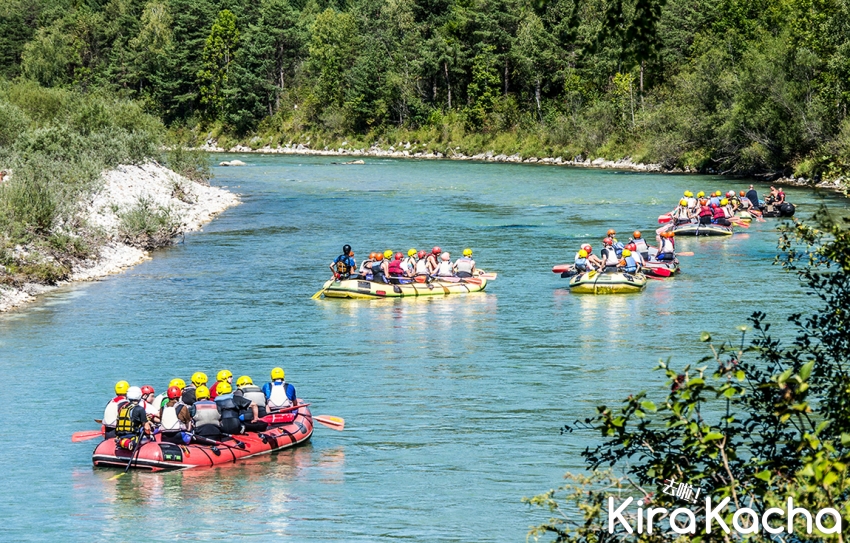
732 86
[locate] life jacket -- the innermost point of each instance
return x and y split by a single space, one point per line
278 397
704 211
409 264
465 264
125 424
395 268
160 401
422 267
680 213
206 413
667 246
640 245
718 213
377 268
255 394
609 256
692 204
170 422
631 265
579 261
366 265
638 257
342 266
227 407
110 414
444 269
728 211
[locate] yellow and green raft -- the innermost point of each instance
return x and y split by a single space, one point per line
360 289
607 283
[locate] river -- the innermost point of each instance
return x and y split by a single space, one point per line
453 405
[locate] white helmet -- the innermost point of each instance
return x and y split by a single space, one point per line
446 256
134 394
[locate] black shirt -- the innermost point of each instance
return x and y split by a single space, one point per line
753 196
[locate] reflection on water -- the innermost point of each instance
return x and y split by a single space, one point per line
452 404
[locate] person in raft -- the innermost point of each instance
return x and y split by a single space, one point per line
233 411
279 394
581 263
610 260
627 262
635 255
175 420
432 260
617 245
421 267
465 266
409 263
365 270
667 247
640 244
344 265
224 376
205 414
199 379
445 268
753 196
110 413
245 387
395 267
148 399
132 421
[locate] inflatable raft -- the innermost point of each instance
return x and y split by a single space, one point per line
360 289
696 229
159 456
661 269
786 209
607 283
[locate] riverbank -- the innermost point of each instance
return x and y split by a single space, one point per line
188 205
408 150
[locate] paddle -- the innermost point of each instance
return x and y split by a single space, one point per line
560 268
76 437
318 295
133 456
452 279
686 253
487 275
334 423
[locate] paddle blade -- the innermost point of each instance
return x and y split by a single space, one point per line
114 477
334 423
317 295
472 280
488 276
85 436
686 253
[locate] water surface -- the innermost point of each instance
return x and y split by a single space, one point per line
453 405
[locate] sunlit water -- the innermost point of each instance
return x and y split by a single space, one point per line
453 405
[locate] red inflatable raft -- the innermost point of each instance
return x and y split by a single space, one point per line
159 456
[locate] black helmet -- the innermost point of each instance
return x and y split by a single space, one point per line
346 249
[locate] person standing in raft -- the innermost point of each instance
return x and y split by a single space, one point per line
343 265
753 197
110 413
246 387
465 266
199 379
132 420
232 409
205 415
610 260
176 422
224 376
279 393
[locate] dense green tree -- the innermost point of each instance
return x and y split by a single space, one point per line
219 52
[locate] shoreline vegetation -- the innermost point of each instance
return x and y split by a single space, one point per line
84 194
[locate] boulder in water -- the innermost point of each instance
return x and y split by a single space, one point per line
232 163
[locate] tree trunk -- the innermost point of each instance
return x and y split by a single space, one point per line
448 84
641 83
506 77
537 97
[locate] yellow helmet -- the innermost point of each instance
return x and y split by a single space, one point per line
244 380
388 254
199 378
179 383
724 201
688 194
467 252
683 202
223 375
582 253
223 387
700 194
121 388
626 252
202 393
718 193
278 373
411 252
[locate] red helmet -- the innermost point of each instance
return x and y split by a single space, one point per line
730 194
421 254
631 247
586 246
147 389
397 256
436 251
173 393
607 241
379 256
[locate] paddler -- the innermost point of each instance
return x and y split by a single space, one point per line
610 260
627 262
640 244
409 263
132 421
667 247
719 215
692 202
753 197
223 376
245 387
728 209
465 266
715 198
636 254
445 267
581 264
175 420
378 275
618 246
205 415
366 266
148 399
279 394
343 266
110 413
395 268
421 268
232 409
681 215
593 261
162 398
199 379
705 212
433 260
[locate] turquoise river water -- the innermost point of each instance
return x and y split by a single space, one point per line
453 405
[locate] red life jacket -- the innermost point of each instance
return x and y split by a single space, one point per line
395 268
704 210
718 213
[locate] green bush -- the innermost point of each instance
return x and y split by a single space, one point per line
147 225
